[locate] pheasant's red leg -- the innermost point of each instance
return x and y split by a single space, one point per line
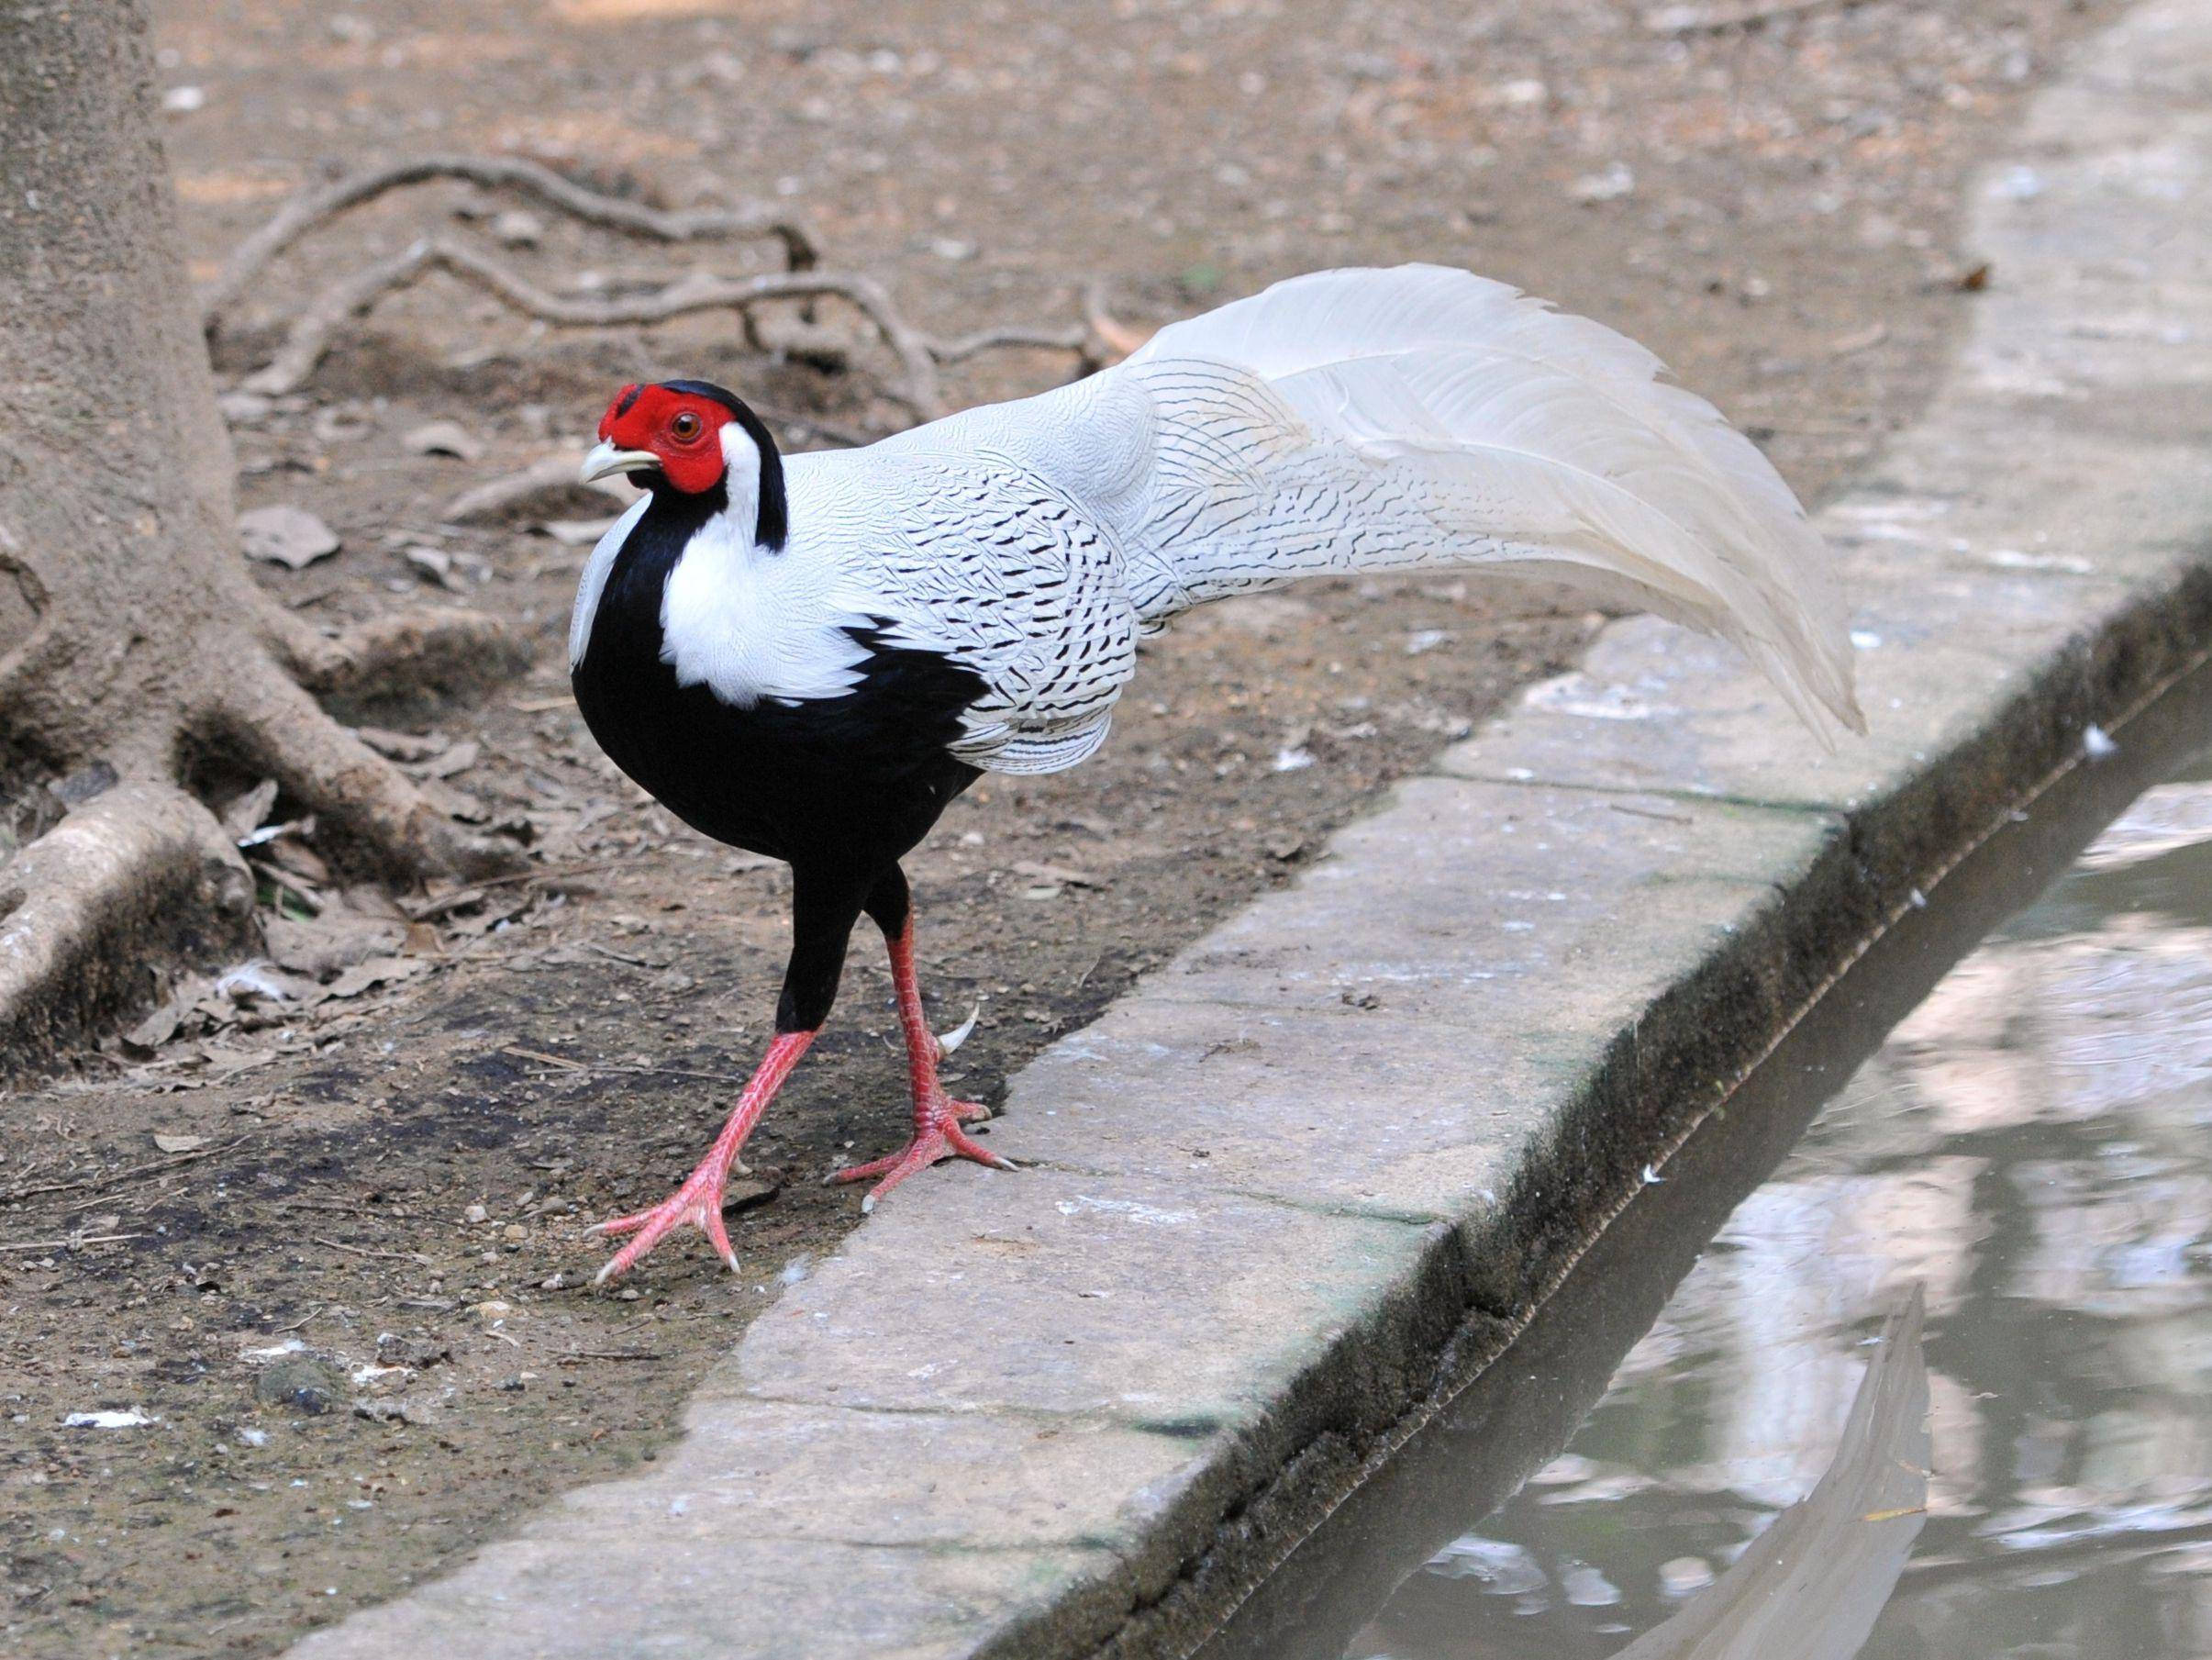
699 1200
937 1116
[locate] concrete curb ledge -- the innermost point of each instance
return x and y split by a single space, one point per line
1308 1178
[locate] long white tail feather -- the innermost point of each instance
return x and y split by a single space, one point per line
1364 420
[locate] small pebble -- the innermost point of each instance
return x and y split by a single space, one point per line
304 1383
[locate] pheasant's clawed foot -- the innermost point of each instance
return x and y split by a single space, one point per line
698 1202
939 1137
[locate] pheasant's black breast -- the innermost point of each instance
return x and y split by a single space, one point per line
858 778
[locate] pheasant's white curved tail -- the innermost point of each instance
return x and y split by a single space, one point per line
1364 420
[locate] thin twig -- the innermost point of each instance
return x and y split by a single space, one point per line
619 1068
346 1209
1719 19
311 333
398 1256
521 1053
17 1194
463 894
316 206
1116 340
1076 340
851 438
68 1244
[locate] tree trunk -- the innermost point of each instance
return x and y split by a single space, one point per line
131 633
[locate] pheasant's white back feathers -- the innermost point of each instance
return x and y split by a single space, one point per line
1350 420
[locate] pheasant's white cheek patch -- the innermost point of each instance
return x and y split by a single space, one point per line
741 473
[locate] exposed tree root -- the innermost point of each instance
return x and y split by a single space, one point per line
1098 339
496 497
139 662
144 872
918 353
365 807
413 658
317 206
141 872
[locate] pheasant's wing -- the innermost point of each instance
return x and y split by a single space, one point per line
1361 421
995 568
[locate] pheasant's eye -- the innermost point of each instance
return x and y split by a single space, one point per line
685 426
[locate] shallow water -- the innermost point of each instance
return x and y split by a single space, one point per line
2032 1144
2005 1103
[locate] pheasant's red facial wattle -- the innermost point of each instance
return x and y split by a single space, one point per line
681 428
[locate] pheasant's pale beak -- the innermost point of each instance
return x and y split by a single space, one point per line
605 461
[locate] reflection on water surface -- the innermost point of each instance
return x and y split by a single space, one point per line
2034 1145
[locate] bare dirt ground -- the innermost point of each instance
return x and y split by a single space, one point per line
343 1283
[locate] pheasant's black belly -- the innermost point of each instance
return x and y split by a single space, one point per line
858 778
858 774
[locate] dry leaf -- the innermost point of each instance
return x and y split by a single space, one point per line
263 982
455 803
291 537
331 943
436 564
459 759
375 972
291 855
444 438
400 746
157 1028
250 811
541 488
178 1143
577 532
495 912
